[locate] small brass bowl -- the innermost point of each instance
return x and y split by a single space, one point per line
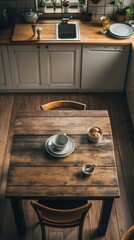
88 169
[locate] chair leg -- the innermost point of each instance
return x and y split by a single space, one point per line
43 232
80 232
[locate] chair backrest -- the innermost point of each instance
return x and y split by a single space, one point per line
58 218
63 104
129 234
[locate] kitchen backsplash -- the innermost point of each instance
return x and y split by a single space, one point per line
18 6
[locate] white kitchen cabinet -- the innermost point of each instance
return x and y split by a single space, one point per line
45 67
63 69
5 76
26 67
130 86
104 67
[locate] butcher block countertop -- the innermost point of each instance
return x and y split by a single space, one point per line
90 33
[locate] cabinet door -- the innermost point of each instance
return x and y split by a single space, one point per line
130 85
63 66
25 67
5 76
104 67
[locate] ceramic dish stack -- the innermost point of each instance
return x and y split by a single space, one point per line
120 30
50 148
131 23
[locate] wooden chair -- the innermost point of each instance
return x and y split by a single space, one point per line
63 104
129 234
58 218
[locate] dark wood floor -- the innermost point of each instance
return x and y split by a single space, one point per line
123 210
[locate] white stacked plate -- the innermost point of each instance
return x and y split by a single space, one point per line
50 148
131 23
120 30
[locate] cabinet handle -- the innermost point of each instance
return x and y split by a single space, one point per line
47 46
38 46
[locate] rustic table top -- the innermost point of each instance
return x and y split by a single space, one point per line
34 173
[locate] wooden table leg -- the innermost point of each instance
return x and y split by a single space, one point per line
105 215
18 215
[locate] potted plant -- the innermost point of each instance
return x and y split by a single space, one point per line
54 4
42 6
121 10
82 6
65 5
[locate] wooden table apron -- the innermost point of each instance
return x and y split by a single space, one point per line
34 174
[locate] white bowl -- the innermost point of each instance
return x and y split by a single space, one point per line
60 141
94 134
131 23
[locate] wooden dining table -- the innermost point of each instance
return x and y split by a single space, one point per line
36 174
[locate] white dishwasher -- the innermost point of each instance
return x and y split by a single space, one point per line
104 67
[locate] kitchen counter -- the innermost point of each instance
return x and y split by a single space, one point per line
89 34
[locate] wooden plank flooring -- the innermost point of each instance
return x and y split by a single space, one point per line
6 104
123 210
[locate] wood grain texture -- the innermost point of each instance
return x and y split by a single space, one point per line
6 104
31 166
23 32
89 34
107 103
121 215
